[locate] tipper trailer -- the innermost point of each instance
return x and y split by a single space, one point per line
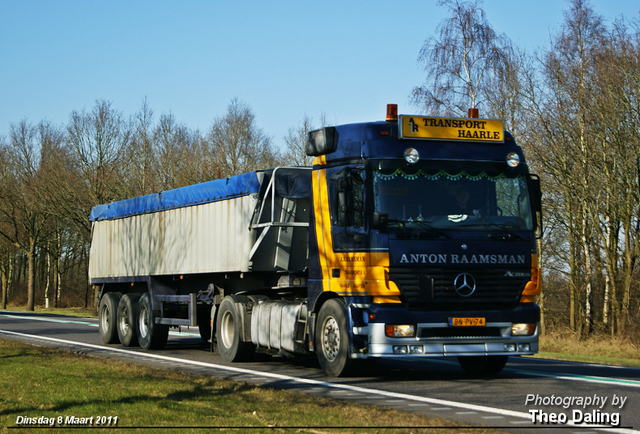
410 237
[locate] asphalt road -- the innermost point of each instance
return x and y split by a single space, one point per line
600 395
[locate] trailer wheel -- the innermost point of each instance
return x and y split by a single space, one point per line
332 339
151 336
482 365
107 315
127 319
229 337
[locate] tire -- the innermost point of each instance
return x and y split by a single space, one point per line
107 317
127 320
332 339
482 365
151 336
229 332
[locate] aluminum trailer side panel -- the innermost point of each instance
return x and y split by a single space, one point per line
207 238
168 234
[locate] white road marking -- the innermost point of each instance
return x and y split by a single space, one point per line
564 376
90 324
345 387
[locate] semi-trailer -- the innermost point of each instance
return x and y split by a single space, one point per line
413 237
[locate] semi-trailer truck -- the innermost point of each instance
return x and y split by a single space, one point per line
412 237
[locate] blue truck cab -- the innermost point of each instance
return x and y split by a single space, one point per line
422 243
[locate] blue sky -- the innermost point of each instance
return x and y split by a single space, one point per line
285 59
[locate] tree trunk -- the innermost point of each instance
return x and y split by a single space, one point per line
588 314
48 280
5 292
31 284
56 281
541 286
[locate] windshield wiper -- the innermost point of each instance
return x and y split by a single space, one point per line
421 223
431 228
506 236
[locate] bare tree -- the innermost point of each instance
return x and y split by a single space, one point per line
142 153
504 90
7 248
460 61
237 145
583 114
181 155
296 141
23 216
616 155
97 163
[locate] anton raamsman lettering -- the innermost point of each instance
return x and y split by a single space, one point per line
443 258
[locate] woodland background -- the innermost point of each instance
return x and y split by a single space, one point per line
573 105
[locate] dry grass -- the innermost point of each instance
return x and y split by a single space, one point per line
565 345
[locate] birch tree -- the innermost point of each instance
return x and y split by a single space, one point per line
460 61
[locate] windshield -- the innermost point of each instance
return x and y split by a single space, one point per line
455 200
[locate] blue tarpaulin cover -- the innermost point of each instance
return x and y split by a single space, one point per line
212 191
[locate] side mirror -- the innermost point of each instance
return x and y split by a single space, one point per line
321 142
535 193
380 220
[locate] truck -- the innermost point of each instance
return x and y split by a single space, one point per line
410 237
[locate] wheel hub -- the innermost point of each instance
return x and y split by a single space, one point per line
331 339
144 323
124 322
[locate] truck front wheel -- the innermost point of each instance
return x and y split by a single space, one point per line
229 333
151 336
332 339
482 365
107 317
128 319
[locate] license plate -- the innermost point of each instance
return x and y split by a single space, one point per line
466 322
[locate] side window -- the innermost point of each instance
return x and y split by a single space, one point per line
347 197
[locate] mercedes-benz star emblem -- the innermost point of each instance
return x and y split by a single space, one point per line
464 284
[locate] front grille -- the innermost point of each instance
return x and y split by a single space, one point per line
460 332
433 288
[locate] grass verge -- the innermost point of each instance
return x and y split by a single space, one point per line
607 350
68 311
41 382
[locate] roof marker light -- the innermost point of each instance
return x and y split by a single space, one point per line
392 112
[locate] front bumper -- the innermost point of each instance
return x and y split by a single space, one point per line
436 338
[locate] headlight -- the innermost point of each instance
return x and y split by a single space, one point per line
512 159
400 331
523 329
411 155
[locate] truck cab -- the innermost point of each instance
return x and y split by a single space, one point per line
424 235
